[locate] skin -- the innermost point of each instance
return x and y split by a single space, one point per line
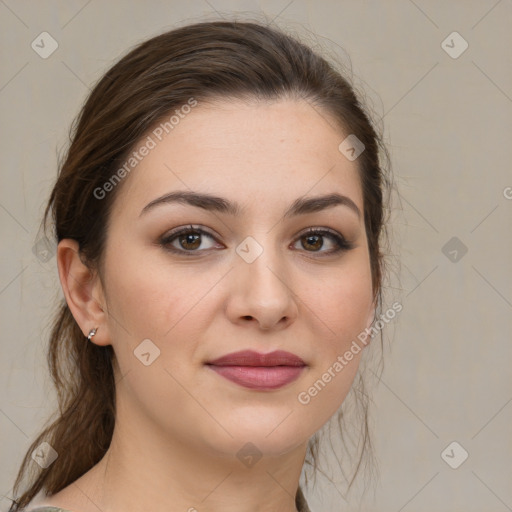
180 425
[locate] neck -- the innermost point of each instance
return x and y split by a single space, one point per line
144 468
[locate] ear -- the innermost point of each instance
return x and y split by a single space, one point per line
83 291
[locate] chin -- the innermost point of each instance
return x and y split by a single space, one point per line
269 435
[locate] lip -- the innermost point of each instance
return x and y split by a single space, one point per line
252 358
253 370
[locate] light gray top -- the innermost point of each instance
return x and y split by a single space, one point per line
300 503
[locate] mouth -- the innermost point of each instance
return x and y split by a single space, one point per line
259 371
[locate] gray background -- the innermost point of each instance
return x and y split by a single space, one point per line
448 124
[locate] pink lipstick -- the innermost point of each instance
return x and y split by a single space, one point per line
259 371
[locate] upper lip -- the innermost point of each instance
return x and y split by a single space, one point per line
252 358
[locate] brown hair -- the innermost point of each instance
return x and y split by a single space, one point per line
217 59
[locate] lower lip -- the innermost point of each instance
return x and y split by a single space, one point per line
259 377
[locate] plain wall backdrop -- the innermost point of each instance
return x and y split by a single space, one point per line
439 75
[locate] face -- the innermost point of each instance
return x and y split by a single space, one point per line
198 280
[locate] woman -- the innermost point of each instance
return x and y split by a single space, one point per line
218 217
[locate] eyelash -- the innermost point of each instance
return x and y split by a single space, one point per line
341 244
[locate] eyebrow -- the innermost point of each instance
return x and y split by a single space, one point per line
300 206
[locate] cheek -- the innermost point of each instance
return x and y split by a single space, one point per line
143 300
342 304
150 298
341 307
152 301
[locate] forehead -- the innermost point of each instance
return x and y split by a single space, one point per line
253 152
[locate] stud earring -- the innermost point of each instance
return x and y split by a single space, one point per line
92 332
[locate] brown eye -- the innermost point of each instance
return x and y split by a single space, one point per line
186 240
190 241
314 240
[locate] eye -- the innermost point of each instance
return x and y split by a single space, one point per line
188 240
185 240
314 239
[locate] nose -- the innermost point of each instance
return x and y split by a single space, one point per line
262 293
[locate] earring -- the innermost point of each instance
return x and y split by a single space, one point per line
92 332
